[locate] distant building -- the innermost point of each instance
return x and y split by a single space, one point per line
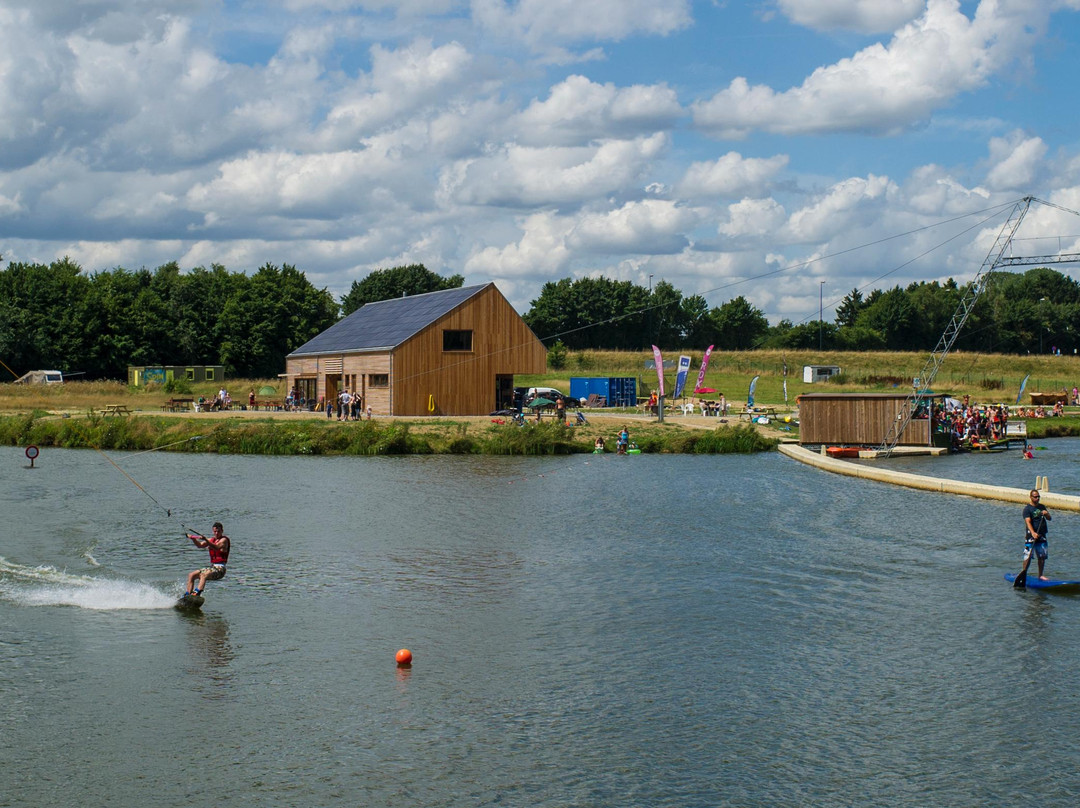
812 374
139 376
453 352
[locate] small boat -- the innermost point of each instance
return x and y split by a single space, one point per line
842 451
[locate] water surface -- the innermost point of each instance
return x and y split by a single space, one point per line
644 630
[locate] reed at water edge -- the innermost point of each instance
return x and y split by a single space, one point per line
317 437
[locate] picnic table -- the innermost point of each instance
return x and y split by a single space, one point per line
750 415
116 409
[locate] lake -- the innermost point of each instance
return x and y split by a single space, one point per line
586 631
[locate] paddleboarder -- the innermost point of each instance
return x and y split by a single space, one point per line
1036 516
219 545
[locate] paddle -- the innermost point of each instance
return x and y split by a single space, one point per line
1021 580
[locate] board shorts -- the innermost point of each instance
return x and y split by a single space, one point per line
215 572
1040 548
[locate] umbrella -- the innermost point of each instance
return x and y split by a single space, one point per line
540 402
704 390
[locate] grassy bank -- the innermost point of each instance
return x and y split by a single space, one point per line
984 377
321 437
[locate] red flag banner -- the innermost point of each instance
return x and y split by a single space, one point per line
659 360
701 373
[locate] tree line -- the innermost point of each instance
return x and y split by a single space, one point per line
1031 312
56 316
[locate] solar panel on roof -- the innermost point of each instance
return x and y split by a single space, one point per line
387 323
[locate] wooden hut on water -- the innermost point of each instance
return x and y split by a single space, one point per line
864 419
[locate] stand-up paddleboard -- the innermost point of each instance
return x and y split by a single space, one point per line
189 602
1052 585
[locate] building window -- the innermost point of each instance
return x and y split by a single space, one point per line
378 380
457 340
209 374
189 374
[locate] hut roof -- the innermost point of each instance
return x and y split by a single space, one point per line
385 324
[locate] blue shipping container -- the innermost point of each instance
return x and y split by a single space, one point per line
617 391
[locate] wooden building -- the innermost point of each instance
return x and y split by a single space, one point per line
863 419
453 352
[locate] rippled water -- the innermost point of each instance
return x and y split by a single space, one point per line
653 631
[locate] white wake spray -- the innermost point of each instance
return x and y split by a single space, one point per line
48 586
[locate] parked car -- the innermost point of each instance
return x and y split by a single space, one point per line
543 392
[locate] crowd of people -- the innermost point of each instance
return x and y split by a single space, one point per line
982 423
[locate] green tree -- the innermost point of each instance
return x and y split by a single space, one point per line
849 308
39 324
384 284
592 313
739 325
699 330
893 317
268 315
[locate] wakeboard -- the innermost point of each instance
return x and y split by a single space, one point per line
1052 585
189 602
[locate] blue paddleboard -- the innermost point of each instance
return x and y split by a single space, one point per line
1033 582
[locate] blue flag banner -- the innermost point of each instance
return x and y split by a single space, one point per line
1023 384
750 395
680 378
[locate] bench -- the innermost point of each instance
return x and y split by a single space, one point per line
116 409
177 405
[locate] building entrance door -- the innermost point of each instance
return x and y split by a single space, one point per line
504 392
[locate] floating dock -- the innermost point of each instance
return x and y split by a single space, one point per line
943 486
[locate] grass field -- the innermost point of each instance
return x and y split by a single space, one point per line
985 377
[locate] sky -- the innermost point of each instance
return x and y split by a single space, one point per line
788 151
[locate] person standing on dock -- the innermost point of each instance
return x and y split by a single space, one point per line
1035 518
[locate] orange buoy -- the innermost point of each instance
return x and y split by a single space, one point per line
404 657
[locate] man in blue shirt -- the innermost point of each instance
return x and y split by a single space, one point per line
1035 518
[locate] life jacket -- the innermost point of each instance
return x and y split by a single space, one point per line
219 556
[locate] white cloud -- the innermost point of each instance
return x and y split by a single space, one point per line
731 175
753 218
652 226
851 202
578 111
315 186
884 89
1016 162
540 23
519 176
541 250
864 16
402 82
932 191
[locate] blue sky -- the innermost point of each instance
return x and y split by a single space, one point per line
707 143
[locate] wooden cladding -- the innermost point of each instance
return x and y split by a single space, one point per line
861 420
450 367
429 380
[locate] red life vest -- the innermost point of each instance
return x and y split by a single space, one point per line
219 556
